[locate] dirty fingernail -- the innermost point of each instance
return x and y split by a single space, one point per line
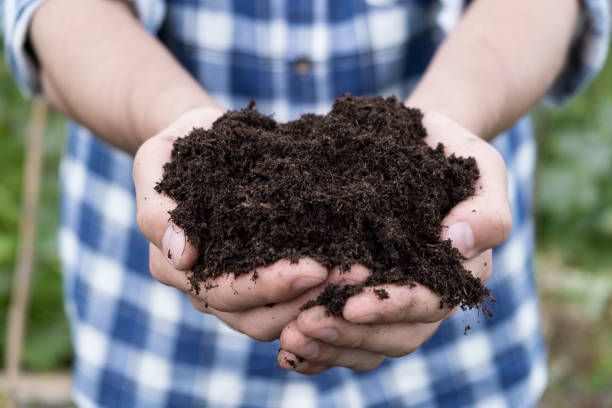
329 334
301 284
371 318
461 236
309 350
173 244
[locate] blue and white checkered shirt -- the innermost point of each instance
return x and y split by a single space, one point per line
141 344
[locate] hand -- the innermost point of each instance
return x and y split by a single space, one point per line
238 301
371 328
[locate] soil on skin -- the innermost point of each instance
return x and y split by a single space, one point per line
358 185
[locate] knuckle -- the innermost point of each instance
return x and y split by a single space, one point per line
356 342
370 365
157 274
144 217
488 268
329 355
401 351
273 291
285 338
197 304
263 334
141 217
152 267
494 157
306 322
504 223
314 369
434 317
222 304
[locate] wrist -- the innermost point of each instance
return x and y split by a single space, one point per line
154 110
478 118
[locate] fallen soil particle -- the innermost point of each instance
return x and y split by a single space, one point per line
291 363
381 293
358 185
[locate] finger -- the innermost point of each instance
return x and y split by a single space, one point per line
291 362
356 274
391 340
263 323
483 221
481 265
276 283
408 303
403 304
314 351
164 273
152 208
279 282
421 305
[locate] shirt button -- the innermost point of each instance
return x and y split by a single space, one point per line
302 66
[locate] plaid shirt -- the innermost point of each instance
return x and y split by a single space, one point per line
141 344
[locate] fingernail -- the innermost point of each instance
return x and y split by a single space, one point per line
371 318
301 284
461 237
329 334
173 244
309 350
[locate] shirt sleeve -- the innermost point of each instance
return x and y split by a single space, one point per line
16 17
587 53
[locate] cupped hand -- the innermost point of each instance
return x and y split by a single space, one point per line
372 328
241 302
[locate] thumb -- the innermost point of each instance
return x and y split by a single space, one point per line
152 207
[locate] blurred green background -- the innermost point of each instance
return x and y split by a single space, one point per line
573 265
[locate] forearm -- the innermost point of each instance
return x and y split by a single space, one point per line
498 62
100 67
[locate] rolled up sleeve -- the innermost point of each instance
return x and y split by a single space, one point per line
587 53
16 17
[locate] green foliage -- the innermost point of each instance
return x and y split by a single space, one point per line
47 344
574 190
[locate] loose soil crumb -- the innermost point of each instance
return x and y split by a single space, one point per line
334 297
358 185
291 363
381 293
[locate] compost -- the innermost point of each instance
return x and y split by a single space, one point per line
358 185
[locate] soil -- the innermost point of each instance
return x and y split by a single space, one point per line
358 185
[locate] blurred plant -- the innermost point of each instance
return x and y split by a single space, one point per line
573 199
47 341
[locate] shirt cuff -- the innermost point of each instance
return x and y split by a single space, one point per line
17 15
587 53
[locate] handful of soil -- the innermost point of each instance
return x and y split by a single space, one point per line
358 185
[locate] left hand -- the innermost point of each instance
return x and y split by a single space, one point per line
371 328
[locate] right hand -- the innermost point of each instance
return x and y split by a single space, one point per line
238 301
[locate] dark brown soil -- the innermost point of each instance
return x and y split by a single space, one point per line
358 185
381 293
291 363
